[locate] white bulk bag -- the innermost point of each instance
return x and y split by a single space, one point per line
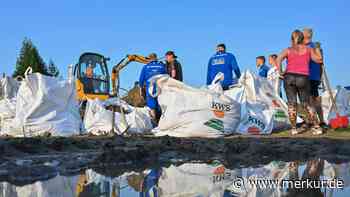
192 112
98 120
8 92
7 114
342 99
262 111
8 87
46 104
273 76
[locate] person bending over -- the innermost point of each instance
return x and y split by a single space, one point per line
148 71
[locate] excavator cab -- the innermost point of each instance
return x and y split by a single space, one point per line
92 77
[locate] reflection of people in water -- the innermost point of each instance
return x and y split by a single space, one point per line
92 184
150 184
146 184
312 171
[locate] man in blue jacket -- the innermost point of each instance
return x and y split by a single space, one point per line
225 63
148 71
262 68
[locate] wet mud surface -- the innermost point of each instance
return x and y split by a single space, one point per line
25 160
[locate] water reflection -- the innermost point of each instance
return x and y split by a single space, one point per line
190 179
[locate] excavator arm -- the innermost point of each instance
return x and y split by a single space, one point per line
123 63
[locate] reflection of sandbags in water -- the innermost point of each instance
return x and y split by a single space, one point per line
6 189
134 98
56 187
189 179
272 171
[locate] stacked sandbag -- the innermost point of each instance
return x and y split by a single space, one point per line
45 105
192 112
262 110
98 120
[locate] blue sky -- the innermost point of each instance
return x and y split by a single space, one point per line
62 30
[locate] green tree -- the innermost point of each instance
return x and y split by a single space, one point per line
29 56
52 69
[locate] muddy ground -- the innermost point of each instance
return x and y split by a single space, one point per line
24 160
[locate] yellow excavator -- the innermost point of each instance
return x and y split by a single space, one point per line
93 79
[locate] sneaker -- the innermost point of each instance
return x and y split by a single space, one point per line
316 130
304 127
294 131
324 126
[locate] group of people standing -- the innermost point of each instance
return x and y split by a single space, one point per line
301 77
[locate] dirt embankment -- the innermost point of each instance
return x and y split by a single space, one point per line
42 158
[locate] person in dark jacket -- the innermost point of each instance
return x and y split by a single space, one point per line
149 70
173 66
225 63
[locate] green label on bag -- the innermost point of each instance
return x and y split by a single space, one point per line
215 124
280 115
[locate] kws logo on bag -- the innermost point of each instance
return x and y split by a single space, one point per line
275 103
219 109
257 125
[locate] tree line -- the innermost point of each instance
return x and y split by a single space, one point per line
29 56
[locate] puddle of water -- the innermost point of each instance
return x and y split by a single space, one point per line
194 180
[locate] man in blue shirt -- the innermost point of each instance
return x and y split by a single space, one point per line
315 76
262 68
148 71
225 63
